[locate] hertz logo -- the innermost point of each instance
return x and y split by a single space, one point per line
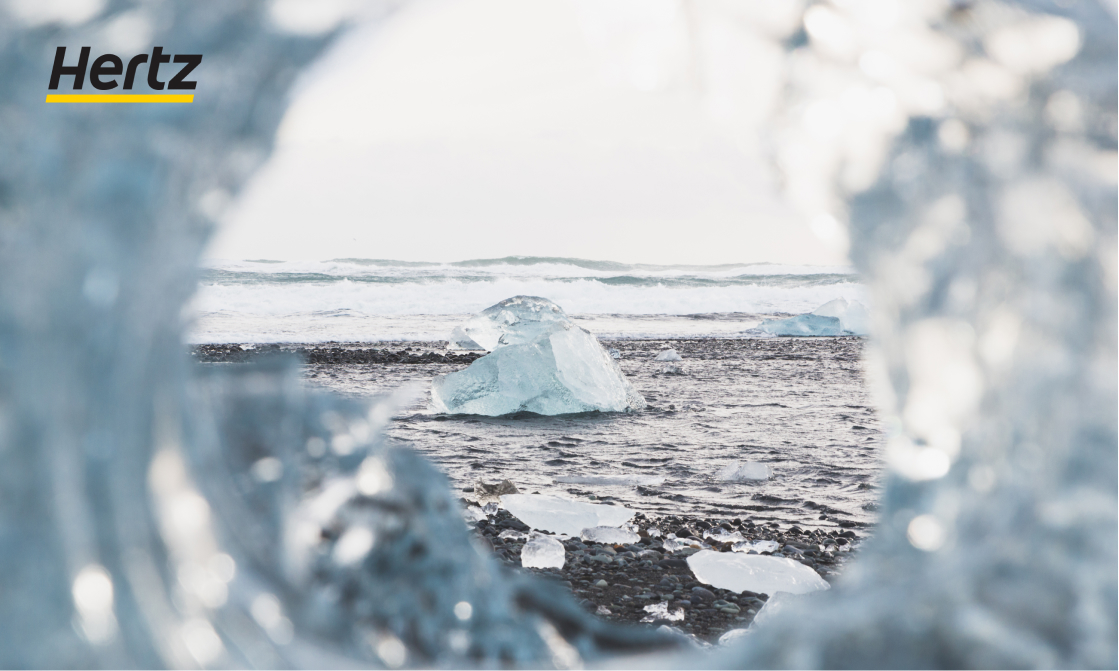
106 69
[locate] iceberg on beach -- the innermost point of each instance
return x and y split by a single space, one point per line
563 516
742 472
757 573
541 362
834 318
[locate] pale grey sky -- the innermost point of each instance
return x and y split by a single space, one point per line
486 128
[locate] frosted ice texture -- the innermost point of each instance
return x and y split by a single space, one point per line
563 516
609 535
669 355
983 217
541 362
743 472
757 573
756 546
514 321
658 612
542 552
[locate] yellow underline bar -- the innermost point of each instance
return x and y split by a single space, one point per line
120 97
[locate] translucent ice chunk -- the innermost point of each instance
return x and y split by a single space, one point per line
740 472
756 546
609 535
513 534
757 573
542 552
552 513
852 315
473 514
490 508
723 536
513 321
802 325
660 612
669 355
834 318
549 366
614 354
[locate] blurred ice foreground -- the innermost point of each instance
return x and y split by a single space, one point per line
153 517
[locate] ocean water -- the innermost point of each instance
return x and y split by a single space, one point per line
364 300
799 406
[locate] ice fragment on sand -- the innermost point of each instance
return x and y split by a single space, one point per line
672 369
834 318
609 535
512 533
739 472
669 355
756 546
473 514
490 508
541 362
660 612
757 573
723 536
614 354
542 552
552 513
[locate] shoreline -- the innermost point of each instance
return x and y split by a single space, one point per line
618 582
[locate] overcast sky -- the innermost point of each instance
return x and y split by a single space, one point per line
485 128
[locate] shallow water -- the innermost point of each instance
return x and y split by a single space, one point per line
798 405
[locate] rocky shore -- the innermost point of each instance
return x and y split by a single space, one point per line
621 582
331 353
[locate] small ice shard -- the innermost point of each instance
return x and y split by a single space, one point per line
603 610
609 535
723 536
659 612
674 544
672 369
541 362
490 508
834 318
614 354
734 634
513 534
552 513
473 514
542 552
756 546
757 573
740 472
669 355
644 480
